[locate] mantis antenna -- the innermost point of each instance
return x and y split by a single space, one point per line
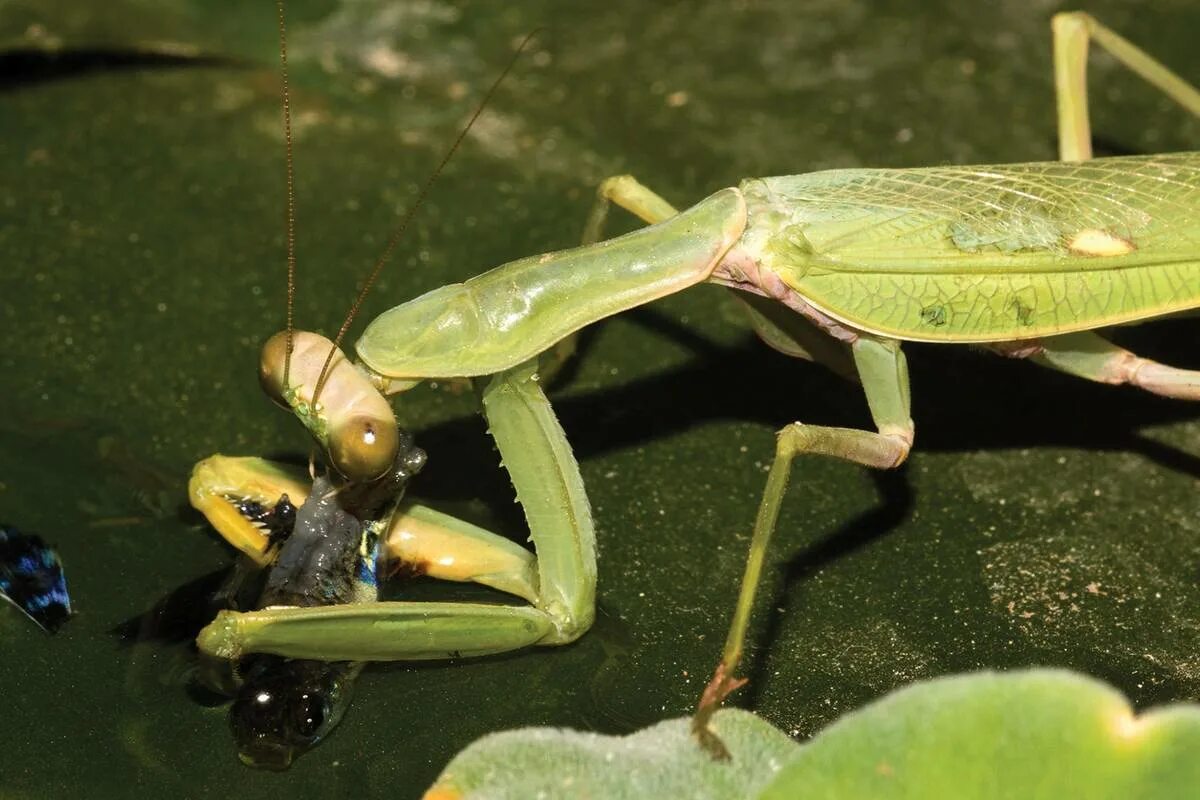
404 221
291 193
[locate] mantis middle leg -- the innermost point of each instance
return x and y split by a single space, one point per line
883 373
878 364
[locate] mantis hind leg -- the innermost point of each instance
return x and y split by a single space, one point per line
1072 33
1091 356
884 376
627 192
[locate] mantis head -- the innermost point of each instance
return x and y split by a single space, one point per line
343 410
354 423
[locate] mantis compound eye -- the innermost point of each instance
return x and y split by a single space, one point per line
363 447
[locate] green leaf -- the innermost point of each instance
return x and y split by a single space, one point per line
1029 735
661 761
984 736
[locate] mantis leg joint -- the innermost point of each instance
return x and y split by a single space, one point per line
884 450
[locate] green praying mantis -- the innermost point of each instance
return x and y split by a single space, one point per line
837 267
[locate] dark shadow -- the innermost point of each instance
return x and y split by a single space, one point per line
651 320
584 341
1104 147
896 501
27 67
173 624
178 616
963 401
647 319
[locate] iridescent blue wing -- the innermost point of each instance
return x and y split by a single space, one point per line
31 578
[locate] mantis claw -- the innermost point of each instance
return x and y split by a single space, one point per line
721 686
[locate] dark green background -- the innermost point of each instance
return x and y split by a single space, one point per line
141 201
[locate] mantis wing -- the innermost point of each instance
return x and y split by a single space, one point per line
992 253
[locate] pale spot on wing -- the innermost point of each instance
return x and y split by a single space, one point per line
1098 242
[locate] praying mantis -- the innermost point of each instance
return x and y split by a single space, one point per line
839 267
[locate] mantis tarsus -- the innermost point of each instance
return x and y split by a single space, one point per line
838 267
